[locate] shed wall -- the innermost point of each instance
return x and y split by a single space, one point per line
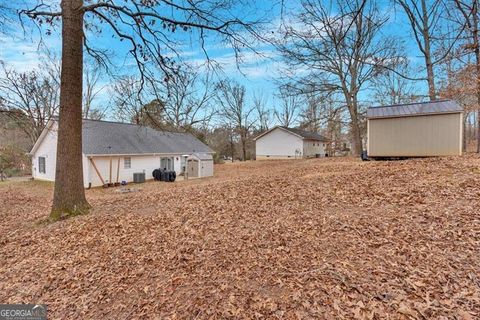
278 144
206 168
418 136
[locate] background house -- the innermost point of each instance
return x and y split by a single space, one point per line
113 152
285 143
415 130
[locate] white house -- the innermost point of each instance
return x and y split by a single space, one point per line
289 143
113 152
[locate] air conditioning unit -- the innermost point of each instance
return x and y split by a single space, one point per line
139 177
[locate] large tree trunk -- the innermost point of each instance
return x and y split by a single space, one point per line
356 138
356 135
355 132
69 195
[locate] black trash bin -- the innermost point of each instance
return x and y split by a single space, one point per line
365 156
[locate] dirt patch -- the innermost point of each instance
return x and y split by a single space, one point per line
320 238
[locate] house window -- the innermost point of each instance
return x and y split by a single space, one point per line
166 163
41 164
127 162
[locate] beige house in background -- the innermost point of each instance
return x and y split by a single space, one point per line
424 129
289 143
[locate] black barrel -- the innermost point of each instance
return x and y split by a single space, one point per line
155 174
364 156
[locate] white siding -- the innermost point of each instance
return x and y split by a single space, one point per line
313 147
206 168
177 163
47 149
140 163
279 143
86 170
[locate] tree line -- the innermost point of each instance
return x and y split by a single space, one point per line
216 111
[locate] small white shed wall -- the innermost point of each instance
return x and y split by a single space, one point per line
140 163
418 136
278 143
206 168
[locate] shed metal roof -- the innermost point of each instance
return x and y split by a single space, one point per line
203 156
102 137
414 109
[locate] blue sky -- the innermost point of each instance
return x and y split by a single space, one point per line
256 72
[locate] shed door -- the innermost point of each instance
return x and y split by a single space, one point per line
192 168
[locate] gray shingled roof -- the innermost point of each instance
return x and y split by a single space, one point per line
101 137
306 134
414 109
203 156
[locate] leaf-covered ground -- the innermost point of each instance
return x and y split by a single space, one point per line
321 238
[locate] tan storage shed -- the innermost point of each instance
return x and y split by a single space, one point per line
199 165
424 129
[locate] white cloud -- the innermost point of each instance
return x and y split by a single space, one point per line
23 54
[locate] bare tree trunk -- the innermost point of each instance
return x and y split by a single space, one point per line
231 145
474 126
478 131
430 78
470 126
69 195
423 23
244 147
354 125
477 60
428 53
355 131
